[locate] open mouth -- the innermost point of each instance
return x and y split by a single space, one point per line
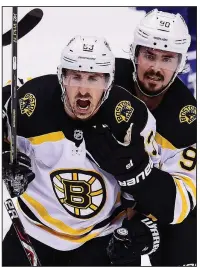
83 104
154 78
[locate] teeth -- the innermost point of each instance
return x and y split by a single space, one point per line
83 103
83 108
154 78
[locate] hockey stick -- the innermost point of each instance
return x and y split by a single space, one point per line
21 233
17 224
14 39
25 25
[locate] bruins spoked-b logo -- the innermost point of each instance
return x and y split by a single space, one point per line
82 193
188 114
123 111
27 104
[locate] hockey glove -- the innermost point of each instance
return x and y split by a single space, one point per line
136 237
124 161
18 176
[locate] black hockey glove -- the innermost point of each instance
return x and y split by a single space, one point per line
136 237
124 161
18 176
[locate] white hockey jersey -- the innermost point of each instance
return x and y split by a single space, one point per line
181 164
71 200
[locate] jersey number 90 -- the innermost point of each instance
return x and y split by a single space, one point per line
189 159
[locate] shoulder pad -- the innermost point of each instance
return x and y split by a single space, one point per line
121 109
176 116
38 101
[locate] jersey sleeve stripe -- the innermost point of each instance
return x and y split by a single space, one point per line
164 143
50 137
185 203
191 187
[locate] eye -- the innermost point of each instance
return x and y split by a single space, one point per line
76 77
149 57
167 59
93 78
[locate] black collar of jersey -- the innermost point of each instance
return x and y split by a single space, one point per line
68 125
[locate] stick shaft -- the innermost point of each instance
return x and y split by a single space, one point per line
13 155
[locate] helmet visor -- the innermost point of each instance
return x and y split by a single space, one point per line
158 59
88 80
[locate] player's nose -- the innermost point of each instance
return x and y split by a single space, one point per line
83 90
156 66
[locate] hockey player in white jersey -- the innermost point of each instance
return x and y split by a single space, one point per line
68 204
158 54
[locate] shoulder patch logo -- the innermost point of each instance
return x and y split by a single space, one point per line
188 114
123 111
27 104
82 193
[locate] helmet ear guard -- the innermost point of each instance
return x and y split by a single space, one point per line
59 73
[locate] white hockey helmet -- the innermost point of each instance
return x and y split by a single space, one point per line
88 54
163 31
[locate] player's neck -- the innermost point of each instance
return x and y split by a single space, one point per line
151 102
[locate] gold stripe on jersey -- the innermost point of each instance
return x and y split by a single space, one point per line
163 142
26 216
184 202
53 221
120 215
75 239
50 137
189 183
